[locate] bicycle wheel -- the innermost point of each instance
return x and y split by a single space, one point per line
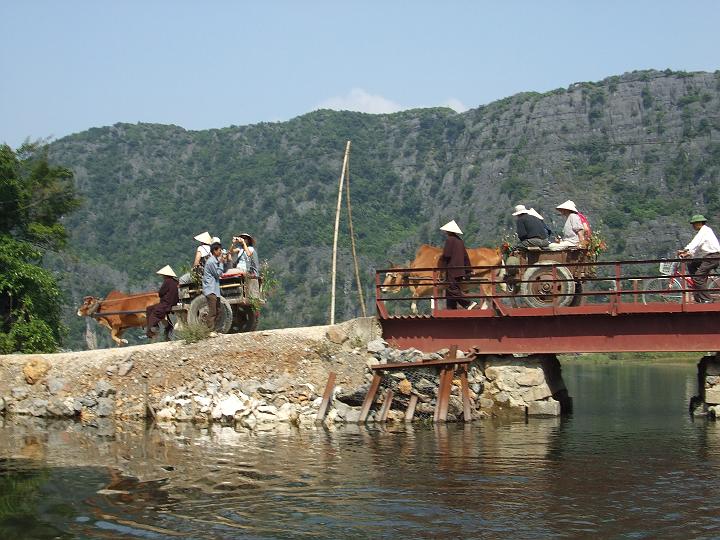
714 283
666 290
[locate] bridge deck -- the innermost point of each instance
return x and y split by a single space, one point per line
628 318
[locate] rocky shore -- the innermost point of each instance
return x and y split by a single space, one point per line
261 379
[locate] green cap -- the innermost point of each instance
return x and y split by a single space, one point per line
697 218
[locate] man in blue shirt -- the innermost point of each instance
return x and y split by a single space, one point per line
211 283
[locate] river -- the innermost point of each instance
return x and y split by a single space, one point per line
628 463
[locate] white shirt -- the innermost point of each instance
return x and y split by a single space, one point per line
704 243
204 250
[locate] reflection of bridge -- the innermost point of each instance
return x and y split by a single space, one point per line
617 307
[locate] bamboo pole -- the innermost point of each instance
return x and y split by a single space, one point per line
352 243
335 237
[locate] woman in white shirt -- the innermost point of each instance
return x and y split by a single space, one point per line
201 255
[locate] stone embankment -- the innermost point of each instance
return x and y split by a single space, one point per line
707 403
265 378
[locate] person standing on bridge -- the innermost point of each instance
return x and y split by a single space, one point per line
168 294
454 257
530 228
704 250
211 284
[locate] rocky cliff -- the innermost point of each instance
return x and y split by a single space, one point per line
638 153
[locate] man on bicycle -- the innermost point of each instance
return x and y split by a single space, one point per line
704 250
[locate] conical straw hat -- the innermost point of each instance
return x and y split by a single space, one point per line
204 238
567 205
166 271
452 227
520 209
534 212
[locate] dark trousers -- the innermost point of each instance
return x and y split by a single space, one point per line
454 294
154 314
534 242
212 312
699 270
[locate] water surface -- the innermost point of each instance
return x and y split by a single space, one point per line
628 463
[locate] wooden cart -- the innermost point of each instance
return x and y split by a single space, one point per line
543 278
240 304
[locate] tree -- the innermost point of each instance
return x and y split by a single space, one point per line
34 196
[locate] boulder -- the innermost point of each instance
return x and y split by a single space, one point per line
336 334
35 369
549 407
19 393
104 389
61 408
55 384
354 397
125 368
536 393
38 407
376 346
531 377
405 387
712 395
287 413
105 407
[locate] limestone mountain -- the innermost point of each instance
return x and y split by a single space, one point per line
638 153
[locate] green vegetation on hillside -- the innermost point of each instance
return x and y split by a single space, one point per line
638 153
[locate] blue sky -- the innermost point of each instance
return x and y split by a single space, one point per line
74 64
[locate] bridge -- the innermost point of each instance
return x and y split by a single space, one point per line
621 306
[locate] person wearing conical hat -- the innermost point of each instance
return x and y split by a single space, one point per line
573 231
168 294
530 229
704 249
454 258
201 255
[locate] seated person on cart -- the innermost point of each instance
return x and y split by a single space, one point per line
575 233
246 259
530 229
168 294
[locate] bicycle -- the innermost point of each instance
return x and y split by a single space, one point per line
671 287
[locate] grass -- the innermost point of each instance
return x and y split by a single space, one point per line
192 333
627 358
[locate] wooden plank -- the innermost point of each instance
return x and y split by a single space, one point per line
444 400
465 388
387 401
410 412
327 395
404 365
452 353
369 397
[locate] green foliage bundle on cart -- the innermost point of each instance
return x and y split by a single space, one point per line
33 198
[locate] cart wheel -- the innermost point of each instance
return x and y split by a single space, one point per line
538 283
197 313
245 319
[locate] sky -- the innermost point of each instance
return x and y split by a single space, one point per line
67 66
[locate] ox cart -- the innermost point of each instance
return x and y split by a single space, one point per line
541 278
240 304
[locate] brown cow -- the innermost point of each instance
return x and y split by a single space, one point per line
114 302
420 282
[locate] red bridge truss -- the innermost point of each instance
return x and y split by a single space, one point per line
623 306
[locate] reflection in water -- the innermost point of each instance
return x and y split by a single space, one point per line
629 462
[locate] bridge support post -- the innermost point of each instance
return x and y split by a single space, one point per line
707 402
